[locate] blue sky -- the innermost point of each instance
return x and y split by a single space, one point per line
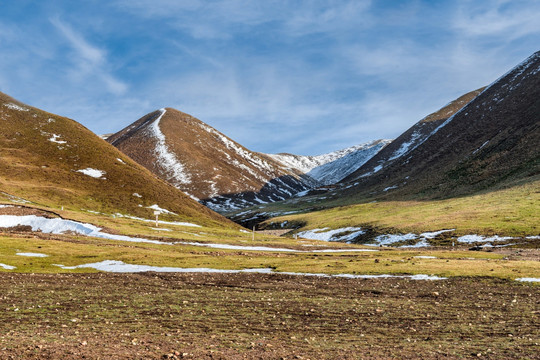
306 77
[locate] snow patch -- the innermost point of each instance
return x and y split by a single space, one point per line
178 223
389 239
92 172
432 235
30 254
16 107
61 226
469 239
343 234
121 267
165 158
528 279
7 267
161 210
54 139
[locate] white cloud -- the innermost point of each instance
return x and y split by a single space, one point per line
91 61
504 19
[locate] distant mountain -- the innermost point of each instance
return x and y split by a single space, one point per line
206 164
330 168
55 162
492 141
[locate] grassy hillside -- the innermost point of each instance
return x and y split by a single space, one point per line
510 212
53 162
204 163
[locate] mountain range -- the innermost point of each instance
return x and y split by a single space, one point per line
221 173
483 141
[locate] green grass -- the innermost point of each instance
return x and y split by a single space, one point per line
510 212
70 251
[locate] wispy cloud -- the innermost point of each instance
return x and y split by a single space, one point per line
311 75
90 61
507 20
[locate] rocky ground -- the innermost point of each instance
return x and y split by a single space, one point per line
253 316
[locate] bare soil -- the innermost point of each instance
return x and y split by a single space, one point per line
252 316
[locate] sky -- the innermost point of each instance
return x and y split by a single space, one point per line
304 77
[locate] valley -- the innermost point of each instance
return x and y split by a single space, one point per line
168 239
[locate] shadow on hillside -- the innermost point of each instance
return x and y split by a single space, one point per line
277 189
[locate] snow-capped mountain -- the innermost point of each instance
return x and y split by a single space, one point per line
330 168
205 163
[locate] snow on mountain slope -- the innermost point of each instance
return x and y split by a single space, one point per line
332 167
411 138
206 164
491 141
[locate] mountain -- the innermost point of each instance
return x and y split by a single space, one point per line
55 162
490 142
411 138
204 163
332 167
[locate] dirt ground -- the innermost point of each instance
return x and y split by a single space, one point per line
253 316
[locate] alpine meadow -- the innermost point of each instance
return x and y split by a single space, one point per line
269 180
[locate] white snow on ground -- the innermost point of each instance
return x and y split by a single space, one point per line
121 267
469 239
61 226
161 229
178 223
165 158
390 188
7 267
431 235
425 257
332 235
54 139
137 195
92 172
529 279
16 107
29 254
120 160
421 243
391 238
404 148
161 210
533 237
265 248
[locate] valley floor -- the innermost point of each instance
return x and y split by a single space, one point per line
254 316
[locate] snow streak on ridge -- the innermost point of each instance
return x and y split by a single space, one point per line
166 159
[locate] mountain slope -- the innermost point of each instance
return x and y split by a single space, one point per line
332 167
492 141
412 138
56 162
204 163
477 172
